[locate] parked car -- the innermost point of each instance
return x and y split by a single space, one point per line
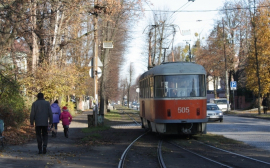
214 113
221 103
135 105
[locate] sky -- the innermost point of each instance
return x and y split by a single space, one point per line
197 16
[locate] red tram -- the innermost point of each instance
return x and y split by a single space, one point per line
173 98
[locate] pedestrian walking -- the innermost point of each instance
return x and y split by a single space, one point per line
66 120
56 111
40 113
264 104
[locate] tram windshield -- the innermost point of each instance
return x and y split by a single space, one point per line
179 86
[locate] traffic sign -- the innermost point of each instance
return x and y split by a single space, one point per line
107 44
91 73
91 63
233 85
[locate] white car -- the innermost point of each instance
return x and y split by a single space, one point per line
135 105
221 103
214 113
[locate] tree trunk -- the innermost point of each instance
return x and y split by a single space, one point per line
215 88
35 51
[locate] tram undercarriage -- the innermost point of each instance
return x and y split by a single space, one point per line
175 128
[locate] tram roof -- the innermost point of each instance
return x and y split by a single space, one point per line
175 68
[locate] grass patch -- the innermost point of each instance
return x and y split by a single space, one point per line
249 114
112 115
216 139
93 129
229 112
262 115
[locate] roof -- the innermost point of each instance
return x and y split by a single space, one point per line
175 68
211 104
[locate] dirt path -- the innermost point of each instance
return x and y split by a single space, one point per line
69 152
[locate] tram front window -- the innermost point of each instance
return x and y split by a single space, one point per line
179 86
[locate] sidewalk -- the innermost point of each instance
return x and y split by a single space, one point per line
62 152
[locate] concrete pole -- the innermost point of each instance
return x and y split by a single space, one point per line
226 71
96 63
189 52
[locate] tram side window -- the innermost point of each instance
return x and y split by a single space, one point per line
202 85
151 87
144 89
141 88
159 86
147 87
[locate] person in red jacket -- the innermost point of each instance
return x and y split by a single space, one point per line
66 120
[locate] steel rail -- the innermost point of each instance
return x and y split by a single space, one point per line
121 162
132 118
200 155
235 153
159 154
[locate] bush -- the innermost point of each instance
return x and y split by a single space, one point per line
13 114
12 106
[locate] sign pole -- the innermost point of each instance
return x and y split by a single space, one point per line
233 101
96 64
233 85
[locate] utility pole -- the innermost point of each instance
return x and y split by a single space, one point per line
155 42
256 56
164 53
150 51
189 52
226 73
96 63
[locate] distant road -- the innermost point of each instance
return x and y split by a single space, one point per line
252 131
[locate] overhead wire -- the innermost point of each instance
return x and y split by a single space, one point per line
210 10
179 8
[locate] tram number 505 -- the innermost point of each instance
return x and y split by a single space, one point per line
183 109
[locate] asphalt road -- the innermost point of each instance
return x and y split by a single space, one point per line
252 131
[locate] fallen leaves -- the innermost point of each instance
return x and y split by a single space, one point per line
19 136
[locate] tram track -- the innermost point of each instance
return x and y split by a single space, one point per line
159 155
179 152
233 153
123 157
220 156
132 118
201 156
170 154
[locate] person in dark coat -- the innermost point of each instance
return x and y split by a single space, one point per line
40 113
56 111
264 104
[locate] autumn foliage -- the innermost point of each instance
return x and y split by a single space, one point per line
260 67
